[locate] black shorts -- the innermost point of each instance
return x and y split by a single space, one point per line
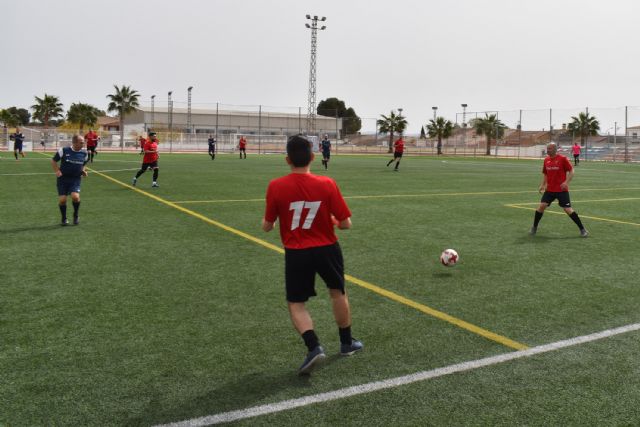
91 148
152 165
17 146
244 150
563 198
397 155
301 266
326 155
68 184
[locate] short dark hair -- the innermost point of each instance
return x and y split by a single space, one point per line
299 151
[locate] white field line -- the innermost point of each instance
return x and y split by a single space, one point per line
343 393
51 173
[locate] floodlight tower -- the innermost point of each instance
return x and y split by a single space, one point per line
464 123
170 118
435 109
311 109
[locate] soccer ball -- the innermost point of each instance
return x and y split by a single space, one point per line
449 257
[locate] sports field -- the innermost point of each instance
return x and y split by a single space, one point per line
167 304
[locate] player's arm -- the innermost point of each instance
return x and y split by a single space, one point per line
567 180
543 184
345 224
56 168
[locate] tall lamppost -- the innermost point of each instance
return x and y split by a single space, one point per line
153 111
435 109
311 107
189 111
464 123
400 116
170 119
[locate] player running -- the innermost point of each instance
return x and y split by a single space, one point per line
150 160
212 147
398 149
92 138
18 140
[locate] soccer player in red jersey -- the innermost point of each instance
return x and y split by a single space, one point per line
91 138
576 153
557 173
398 149
150 159
242 145
308 207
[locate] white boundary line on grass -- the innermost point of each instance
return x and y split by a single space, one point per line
51 173
271 408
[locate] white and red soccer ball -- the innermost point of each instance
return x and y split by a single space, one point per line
449 257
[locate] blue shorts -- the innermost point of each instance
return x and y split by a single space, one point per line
68 185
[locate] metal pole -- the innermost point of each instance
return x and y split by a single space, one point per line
464 126
189 113
170 120
586 141
615 145
153 111
550 125
626 134
259 127
519 133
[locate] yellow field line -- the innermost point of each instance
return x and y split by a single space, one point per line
380 291
581 216
387 196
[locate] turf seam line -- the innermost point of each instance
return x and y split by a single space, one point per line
376 289
596 218
347 392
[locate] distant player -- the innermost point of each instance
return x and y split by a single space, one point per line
150 159
69 175
307 207
18 140
325 146
91 138
557 173
576 153
212 147
398 149
242 146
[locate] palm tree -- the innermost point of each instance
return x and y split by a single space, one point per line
489 126
124 101
584 125
83 115
391 124
440 128
9 119
47 108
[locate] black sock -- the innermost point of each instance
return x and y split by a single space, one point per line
574 216
397 166
15 153
63 211
76 207
140 172
155 175
390 161
537 218
310 339
345 335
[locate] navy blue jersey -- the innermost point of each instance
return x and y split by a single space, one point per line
71 162
212 142
17 137
325 145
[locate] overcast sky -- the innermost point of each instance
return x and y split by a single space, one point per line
502 55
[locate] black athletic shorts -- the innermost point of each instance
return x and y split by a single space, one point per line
152 165
17 146
563 198
397 155
326 155
91 148
301 266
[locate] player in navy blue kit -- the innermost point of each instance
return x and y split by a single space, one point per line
18 139
212 146
70 172
325 146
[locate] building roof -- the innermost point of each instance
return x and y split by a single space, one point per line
108 121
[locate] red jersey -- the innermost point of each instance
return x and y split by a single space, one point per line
304 203
556 168
91 138
576 150
150 157
242 143
398 146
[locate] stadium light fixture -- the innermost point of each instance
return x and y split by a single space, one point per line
323 27
308 16
435 109
315 17
307 25
189 112
311 107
